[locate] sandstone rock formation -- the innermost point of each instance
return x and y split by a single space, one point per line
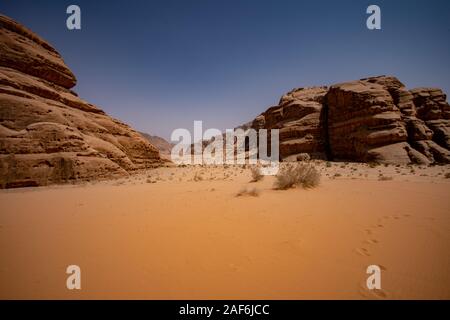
47 133
164 147
299 119
373 119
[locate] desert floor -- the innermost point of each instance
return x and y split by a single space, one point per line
182 233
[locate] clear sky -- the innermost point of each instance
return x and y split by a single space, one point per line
160 65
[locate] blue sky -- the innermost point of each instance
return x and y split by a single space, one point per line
160 65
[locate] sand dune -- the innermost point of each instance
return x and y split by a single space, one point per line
181 233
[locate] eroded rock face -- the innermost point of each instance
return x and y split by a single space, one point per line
433 109
363 116
373 119
47 133
26 52
164 147
299 119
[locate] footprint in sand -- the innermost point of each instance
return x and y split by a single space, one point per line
371 241
380 293
292 245
363 252
233 267
372 294
383 268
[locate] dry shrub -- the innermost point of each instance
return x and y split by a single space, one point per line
253 192
256 174
373 164
198 177
304 175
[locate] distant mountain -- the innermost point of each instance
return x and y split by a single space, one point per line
161 144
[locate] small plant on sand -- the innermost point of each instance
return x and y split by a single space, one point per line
253 192
373 164
304 175
384 178
447 175
198 177
256 174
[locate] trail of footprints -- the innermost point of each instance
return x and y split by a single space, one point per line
372 230
370 242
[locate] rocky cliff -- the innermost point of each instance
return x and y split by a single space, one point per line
374 119
164 147
47 133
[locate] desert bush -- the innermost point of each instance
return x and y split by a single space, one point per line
253 192
286 178
256 174
198 177
304 175
384 178
447 175
373 164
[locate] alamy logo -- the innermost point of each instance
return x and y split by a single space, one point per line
74 279
73 21
374 20
240 147
374 280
